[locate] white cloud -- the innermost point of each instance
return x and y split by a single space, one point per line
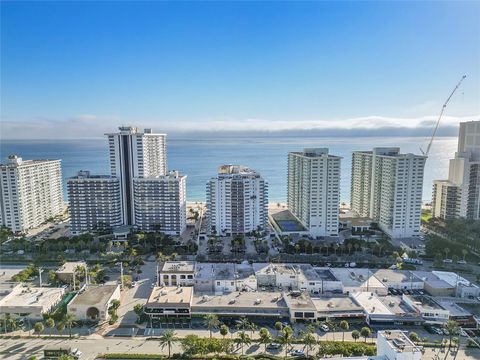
89 125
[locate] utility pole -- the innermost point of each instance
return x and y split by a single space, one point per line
40 270
86 275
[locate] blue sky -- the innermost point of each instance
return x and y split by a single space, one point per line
180 66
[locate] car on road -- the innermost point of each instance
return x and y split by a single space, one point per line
461 262
273 346
324 327
448 261
297 353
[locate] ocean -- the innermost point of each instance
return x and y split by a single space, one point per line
199 156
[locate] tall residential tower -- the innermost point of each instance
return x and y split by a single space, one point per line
314 190
237 201
135 154
387 187
31 192
459 195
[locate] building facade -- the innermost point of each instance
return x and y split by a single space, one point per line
135 154
459 195
313 190
160 203
31 192
237 201
94 202
387 187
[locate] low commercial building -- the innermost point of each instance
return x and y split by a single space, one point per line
300 306
457 313
224 277
93 302
66 271
177 273
355 224
358 280
395 345
169 301
386 310
463 287
241 304
399 279
30 302
318 280
428 309
337 307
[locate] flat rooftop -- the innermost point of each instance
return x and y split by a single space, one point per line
371 304
170 296
25 296
425 302
299 301
453 308
399 341
432 280
287 222
240 302
357 278
69 267
316 273
396 276
178 266
453 278
327 304
94 294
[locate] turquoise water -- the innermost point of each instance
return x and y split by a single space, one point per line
198 157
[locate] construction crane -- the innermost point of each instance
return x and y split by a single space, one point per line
425 153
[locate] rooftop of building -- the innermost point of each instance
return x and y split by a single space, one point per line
388 152
371 304
357 277
314 152
316 273
14 160
86 175
325 304
396 276
94 294
23 295
432 280
399 341
178 266
395 304
453 308
424 302
170 295
356 221
453 278
229 169
287 222
298 300
248 301
69 267
130 130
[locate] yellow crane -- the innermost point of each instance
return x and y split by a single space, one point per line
425 153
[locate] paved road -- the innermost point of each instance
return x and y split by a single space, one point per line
20 349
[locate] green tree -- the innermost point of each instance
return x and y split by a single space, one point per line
278 327
365 332
453 329
224 330
243 339
286 338
39 328
211 322
49 323
138 309
243 324
68 321
265 337
355 335
413 336
309 340
167 339
344 326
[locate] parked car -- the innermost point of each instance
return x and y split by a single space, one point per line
273 346
297 353
461 262
324 327
448 261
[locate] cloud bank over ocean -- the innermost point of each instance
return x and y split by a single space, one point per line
88 126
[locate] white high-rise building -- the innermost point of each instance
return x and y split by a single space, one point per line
135 154
459 195
237 201
94 202
314 190
31 192
387 187
160 203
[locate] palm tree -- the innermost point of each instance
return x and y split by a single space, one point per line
265 337
453 329
309 341
39 328
243 324
167 339
243 339
211 322
344 326
68 321
224 330
446 250
286 338
278 327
